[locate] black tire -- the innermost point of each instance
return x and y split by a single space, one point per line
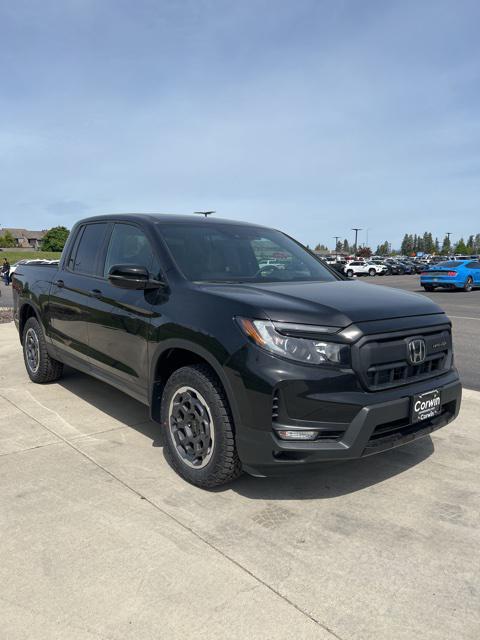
372 272
41 368
220 463
428 287
468 286
349 273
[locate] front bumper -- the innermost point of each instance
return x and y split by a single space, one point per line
351 422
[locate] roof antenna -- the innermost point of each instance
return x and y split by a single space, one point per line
204 213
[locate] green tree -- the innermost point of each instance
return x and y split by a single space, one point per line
461 247
7 240
407 245
428 244
470 245
446 246
346 246
55 239
476 244
436 246
383 249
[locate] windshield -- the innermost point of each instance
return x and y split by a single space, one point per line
237 253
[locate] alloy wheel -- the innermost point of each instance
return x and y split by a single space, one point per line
32 350
191 427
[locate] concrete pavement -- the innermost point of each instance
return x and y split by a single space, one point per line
100 539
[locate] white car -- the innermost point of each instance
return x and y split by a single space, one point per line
360 268
14 266
271 263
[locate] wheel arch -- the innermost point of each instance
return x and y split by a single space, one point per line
27 310
173 354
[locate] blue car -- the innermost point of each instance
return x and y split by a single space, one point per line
454 274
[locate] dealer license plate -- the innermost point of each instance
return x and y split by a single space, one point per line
426 405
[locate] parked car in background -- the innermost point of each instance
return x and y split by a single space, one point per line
396 269
15 265
453 274
359 268
271 264
406 266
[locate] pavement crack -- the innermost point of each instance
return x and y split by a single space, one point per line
38 446
181 524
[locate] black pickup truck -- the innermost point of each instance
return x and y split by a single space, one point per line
249 351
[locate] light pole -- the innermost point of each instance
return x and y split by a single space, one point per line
337 238
356 229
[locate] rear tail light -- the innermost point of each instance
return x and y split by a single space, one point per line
452 273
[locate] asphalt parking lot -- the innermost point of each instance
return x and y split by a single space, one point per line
102 540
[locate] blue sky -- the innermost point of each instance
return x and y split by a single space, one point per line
307 115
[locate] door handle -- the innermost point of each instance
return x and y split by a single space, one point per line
96 293
60 283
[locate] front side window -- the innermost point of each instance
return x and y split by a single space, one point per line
236 253
86 256
128 246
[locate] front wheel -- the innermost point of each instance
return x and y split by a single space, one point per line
199 432
468 286
349 273
372 272
41 368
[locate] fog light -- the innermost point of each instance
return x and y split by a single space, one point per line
297 435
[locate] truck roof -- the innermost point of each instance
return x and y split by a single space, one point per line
166 217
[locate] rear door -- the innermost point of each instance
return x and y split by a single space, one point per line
71 294
118 336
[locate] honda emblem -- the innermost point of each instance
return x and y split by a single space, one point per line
417 351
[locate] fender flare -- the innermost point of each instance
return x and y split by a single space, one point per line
186 345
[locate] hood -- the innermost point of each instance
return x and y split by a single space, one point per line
338 303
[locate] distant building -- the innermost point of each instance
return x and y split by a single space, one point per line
24 238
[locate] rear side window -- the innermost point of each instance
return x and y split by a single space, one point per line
474 265
85 259
451 264
128 245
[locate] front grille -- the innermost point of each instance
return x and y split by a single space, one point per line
401 372
383 361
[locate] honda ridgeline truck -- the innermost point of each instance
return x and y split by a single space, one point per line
246 364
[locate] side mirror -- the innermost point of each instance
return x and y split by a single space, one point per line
127 276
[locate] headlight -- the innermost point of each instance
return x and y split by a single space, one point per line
275 338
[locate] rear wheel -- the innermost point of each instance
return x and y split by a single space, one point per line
199 435
372 272
349 273
41 368
468 286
